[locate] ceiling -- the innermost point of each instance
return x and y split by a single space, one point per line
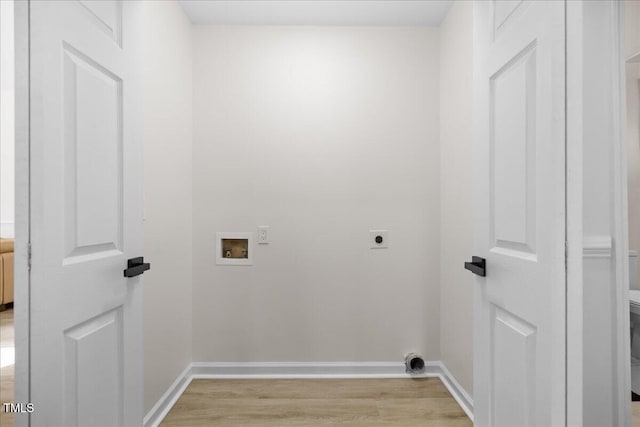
317 12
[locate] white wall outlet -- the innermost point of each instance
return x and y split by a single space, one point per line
263 235
379 239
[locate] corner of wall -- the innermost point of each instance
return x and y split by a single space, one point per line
168 204
456 296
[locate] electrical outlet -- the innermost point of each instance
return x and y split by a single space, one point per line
263 235
379 239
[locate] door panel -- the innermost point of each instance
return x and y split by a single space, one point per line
504 12
513 346
86 213
512 151
93 158
91 354
107 16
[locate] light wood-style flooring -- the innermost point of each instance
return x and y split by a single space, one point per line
635 414
317 402
7 372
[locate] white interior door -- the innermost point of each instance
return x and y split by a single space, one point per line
86 214
519 210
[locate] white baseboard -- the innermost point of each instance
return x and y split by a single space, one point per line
457 391
274 370
160 410
304 370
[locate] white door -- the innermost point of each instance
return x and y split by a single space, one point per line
86 214
519 213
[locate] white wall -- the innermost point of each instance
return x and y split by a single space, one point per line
321 133
7 143
456 293
168 131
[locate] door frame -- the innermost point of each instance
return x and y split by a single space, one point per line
576 173
620 215
22 310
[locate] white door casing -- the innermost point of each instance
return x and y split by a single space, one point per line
519 213
86 213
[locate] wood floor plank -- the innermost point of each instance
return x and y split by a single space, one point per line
426 409
318 388
317 402
635 414
263 411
